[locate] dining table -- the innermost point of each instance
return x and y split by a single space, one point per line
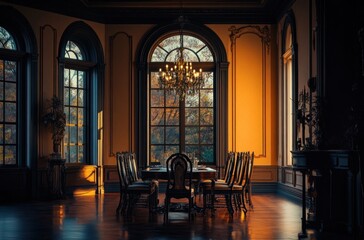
158 172
199 173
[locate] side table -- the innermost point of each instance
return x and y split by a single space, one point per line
56 176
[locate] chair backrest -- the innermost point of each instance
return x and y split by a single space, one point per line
122 170
179 171
230 167
132 166
250 168
240 167
243 161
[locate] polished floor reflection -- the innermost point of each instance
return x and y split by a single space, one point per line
93 217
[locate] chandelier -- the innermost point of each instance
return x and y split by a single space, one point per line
182 78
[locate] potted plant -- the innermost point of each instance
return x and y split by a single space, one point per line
56 118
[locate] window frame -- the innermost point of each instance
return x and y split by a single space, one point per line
93 64
289 52
220 72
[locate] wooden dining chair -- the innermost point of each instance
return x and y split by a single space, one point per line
248 188
179 184
132 190
212 187
241 184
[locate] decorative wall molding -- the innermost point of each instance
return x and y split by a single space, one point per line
42 53
111 90
265 36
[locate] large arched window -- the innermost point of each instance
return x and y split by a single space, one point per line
18 91
289 85
81 74
187 125
9 88
75 94
200 122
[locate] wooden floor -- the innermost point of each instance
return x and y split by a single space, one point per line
93 217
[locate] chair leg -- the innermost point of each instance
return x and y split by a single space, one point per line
119 208
245 210
229 203
248 193
166 210
190 201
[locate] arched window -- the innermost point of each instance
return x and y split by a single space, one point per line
75 105
211 101
81 74
18 91
289 84
9 88
187 125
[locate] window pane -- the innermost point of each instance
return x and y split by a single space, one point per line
10 91
1 155
207 154
157 135
81 154
172 116
157 153
67 96
67 133
73 51
73 154
157 98
10 155
1 112
81 116
209 79
157 116
80 135
66 77
73 134
192 100
172 100
81 79
159 55
73 115
154 83
207 117
171 149
205 55
192 116
1 133
73 78
1 70
10 112
207 135
10 134
191 135
73 97
10 71
6 40
172 135
1 91
80 98
207 98
192 149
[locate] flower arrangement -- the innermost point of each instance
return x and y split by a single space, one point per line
308 115
57 119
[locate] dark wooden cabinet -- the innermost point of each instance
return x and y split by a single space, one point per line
337 187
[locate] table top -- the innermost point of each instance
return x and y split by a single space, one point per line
198 173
